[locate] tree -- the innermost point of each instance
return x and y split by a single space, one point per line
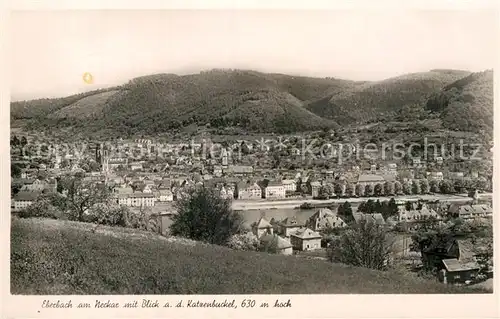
398 188
459 186
480 183
369 190
15 170
14 141
434 186
412 112
24 141
345 211
330 189
409 206
64 163
324 191
388 188
377 207
349 190
485 259
367 207
364 245
415 187
392 208
360 190
203 215
339 189
424 186
406 188
303 188
446 187
83 195
378 190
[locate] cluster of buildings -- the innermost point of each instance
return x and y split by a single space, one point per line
170 169
290 235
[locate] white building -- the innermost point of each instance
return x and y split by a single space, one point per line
475 211
372 179
166 195
226 192
305 239
437 176
249 191
290 185
136 199
136 166
275 189
23 200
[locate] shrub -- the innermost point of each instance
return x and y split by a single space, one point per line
44 209
203 215
364 245
247 241
105 214
269 246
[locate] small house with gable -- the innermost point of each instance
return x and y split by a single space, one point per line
305 239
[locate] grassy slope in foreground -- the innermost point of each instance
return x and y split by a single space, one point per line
60 257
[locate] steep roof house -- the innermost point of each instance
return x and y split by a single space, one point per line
324 219
376 218
474 211
289 225
440 248
248 190
262 227
274 189
372 179
457 271
23 200
281 245
305 239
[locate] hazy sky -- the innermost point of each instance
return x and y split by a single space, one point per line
52 50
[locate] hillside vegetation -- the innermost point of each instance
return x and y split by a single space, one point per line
61 257
259 102
40 108
89 106
380 100
466 104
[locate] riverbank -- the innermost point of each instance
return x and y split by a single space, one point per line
262 204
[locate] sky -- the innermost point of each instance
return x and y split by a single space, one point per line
51 50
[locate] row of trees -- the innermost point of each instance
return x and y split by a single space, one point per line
18 142
387 208
422 186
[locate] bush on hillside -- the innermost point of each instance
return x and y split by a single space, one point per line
203 215
247 241
364 245
46 206
43 209
105 214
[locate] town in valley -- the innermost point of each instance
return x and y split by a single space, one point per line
201 152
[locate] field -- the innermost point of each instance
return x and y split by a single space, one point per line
61 257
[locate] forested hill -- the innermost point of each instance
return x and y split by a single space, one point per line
261 102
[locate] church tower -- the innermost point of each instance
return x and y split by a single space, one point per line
98 154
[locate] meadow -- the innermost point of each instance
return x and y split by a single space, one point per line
62 257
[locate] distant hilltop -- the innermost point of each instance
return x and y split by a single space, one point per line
263 102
